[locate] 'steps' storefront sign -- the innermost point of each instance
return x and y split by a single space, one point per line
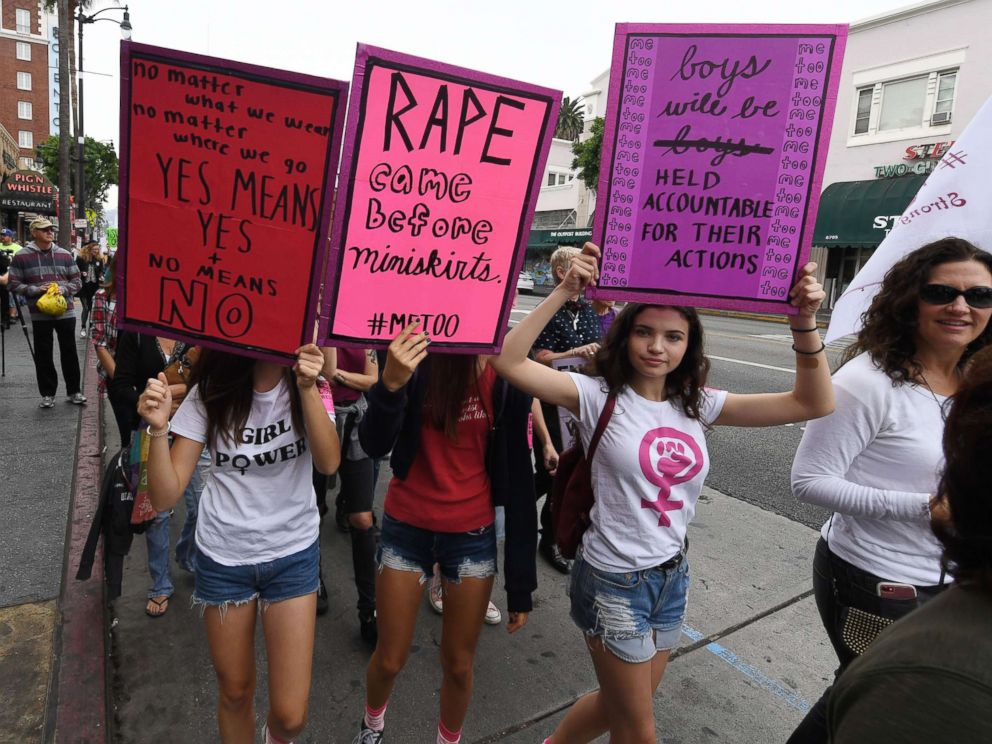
28 191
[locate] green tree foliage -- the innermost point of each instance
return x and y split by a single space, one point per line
586 153
570 119
101 167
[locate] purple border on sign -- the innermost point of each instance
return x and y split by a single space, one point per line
336 88
349 162
837 36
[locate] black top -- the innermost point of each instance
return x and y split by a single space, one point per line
575 324
393 421
137 359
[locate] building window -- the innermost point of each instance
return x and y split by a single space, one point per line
24 51
552 179
25 110
25 139
22 19
944 100
864 111
559 179
902 104
24 81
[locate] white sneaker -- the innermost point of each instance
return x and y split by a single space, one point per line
436 595
493 615
47 401
77 399
82 333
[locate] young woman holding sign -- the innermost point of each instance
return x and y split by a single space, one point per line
459 441
629 582
257 524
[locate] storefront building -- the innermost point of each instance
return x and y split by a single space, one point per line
912 80
542 243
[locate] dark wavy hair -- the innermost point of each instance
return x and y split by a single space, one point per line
889 325
964 485
227 389
451 378
684 384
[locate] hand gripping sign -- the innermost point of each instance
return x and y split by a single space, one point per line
440 177
227 172
713 155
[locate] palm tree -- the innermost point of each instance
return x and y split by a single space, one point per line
570 119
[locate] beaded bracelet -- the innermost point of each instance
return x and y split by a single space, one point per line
823 347
814 329
156 434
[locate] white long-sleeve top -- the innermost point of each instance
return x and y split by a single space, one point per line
875 461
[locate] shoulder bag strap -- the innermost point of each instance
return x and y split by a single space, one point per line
604 419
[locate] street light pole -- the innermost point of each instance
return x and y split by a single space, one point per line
82 19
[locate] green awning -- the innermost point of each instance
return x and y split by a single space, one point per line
562 236
861 213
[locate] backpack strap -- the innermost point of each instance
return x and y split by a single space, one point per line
604 419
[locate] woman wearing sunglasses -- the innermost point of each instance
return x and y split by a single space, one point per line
876 461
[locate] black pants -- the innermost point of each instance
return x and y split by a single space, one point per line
838 584
542 478
44 364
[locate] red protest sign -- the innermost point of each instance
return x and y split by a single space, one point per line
227 173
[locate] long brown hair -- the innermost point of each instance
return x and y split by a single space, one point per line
684 384
890 323
449 380
226 387
964 485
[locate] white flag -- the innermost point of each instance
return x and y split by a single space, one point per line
954 202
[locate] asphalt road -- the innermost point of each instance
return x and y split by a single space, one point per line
750 356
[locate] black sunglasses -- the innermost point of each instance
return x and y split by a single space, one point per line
941 294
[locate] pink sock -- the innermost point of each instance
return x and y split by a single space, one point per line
271 739
446 735
375 718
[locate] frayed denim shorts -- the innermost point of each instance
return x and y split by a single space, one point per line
637 613
468 555
295 575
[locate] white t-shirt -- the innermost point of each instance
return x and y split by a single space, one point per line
647 474
875 461
259 503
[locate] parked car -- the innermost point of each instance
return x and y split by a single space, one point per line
525 283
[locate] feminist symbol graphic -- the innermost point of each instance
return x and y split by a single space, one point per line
668 457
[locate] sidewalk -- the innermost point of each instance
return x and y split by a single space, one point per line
38 471
754 655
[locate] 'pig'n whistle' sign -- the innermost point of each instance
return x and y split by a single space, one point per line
227 172
713 155
440 176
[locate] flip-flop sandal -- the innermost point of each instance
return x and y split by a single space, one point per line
162 604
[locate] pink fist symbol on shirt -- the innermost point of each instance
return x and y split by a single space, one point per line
668 457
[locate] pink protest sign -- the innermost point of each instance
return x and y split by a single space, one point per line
713 155
440 177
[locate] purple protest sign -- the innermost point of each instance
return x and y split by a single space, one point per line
713 154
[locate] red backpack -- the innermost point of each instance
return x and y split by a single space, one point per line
571 492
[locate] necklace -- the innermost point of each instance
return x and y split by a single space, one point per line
941 406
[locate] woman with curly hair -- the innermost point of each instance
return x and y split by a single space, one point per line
875 462
630 579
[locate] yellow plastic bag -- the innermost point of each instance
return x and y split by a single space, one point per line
52 303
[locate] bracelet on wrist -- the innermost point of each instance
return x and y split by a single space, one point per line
814 329
157 434
823 347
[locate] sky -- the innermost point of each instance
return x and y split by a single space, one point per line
556 44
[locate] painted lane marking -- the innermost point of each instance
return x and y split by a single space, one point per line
780 690
752 364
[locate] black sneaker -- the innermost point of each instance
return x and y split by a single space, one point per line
369 629
368 736
322 604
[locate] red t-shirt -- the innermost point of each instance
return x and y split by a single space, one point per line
447 488
349 360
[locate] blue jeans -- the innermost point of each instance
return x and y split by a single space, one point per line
294 575
157 539
186 547
471 555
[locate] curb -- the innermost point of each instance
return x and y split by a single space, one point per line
79 681
783 319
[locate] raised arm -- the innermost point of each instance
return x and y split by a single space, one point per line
812 394
532 377
322 436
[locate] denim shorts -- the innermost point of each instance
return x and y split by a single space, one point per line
217 585
627 609
404 547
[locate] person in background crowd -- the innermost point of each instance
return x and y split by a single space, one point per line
876 460
352 372
573 331
8 313
630 580
458 436
36 266
928 677
104 319
266 427
91 268
607 314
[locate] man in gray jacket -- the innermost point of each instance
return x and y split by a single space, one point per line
36 266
